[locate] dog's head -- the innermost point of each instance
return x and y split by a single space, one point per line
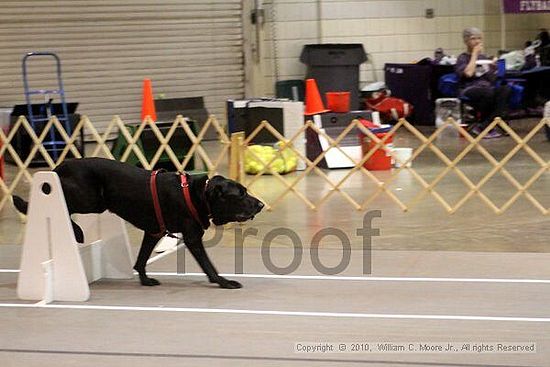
230 202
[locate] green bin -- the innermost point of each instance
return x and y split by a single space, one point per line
149 144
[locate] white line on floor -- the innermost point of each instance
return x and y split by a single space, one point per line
348 278
278 313
366 278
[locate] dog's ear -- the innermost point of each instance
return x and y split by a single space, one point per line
217 179
214 190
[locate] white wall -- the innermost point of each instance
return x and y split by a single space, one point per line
390 30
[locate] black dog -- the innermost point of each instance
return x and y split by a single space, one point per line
93 185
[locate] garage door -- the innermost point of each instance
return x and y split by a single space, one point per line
187 48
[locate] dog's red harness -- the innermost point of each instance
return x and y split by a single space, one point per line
186 197
189 202
156 204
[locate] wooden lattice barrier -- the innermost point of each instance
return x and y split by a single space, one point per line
101 141
234 150
383 187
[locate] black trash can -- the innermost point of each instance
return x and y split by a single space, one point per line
335 67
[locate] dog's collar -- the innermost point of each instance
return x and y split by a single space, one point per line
205 199
189 201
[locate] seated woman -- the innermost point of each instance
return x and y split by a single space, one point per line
477 77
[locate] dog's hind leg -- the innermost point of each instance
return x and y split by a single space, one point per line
147 245
20 204
22 207
78 233
196 248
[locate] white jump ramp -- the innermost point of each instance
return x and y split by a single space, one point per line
54 267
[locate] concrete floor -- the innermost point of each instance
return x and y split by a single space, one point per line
468 278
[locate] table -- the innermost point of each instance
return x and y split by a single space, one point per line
537 85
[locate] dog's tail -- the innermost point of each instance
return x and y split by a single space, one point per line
21 205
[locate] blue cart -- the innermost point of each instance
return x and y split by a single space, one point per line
54 144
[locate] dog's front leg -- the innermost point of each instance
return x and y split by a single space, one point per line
147 245
196 248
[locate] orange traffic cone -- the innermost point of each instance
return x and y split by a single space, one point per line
148 104
314 103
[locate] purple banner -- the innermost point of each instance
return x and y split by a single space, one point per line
526 6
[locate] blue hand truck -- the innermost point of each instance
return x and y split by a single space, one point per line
54 145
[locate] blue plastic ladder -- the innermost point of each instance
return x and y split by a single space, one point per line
53 146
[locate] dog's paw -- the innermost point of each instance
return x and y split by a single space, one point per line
229 284
149 282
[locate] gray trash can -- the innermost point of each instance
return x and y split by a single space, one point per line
335 67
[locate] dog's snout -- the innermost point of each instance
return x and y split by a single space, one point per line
260 205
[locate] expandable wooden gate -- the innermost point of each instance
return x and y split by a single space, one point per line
229 154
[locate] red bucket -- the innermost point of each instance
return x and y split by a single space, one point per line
338 101
380 159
